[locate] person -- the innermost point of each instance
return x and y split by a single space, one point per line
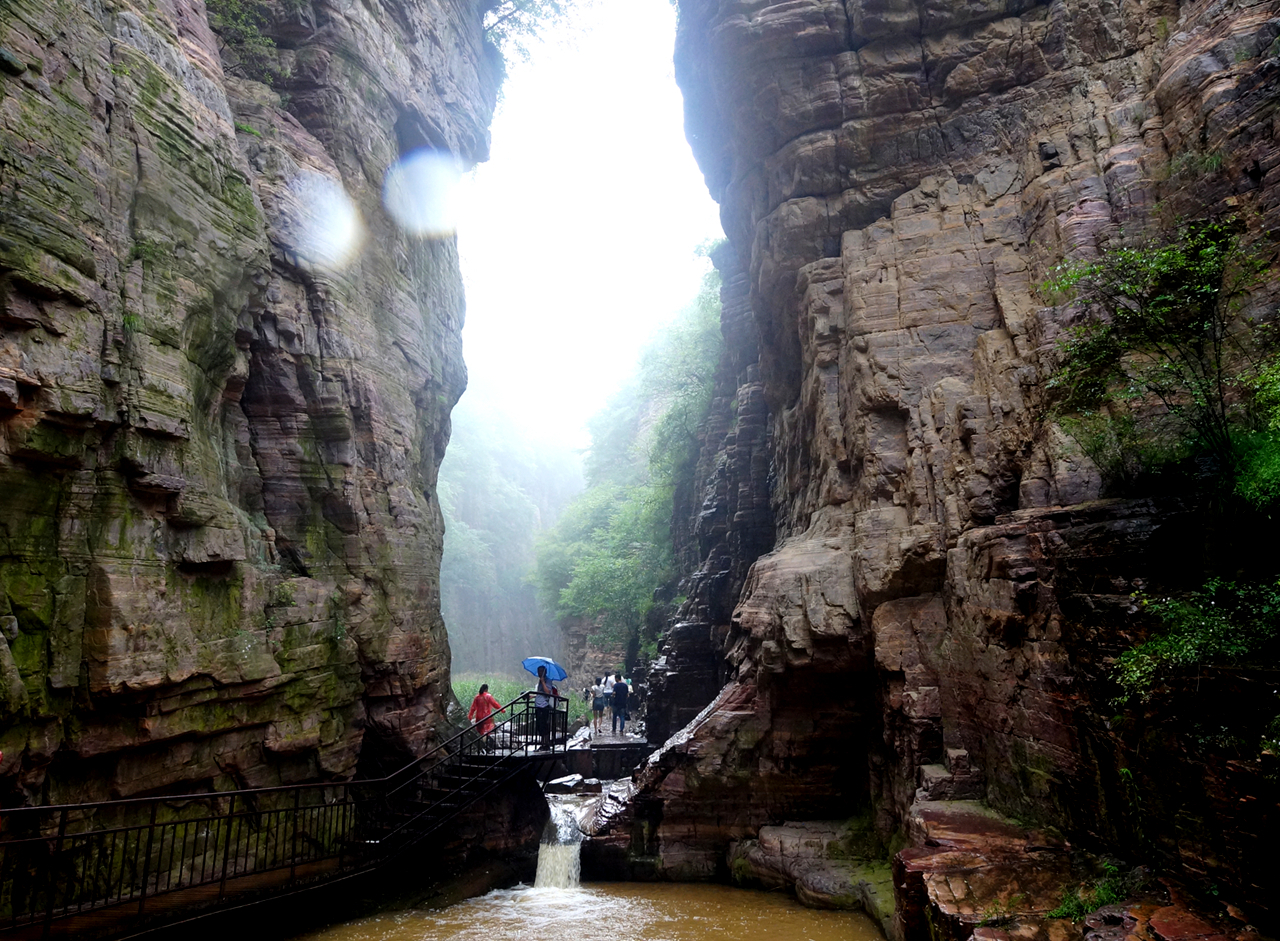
608 693
542 708
482 707
620 692
632 699
597 704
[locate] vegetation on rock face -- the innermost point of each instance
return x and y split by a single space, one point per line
1163 372
1167 385
1221 623
240 24
1081 901
612 549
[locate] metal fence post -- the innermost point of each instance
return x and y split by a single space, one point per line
53 869
293 842
342 822
146 858
226 847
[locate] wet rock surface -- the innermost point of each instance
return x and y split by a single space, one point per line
945 591
220 544
828 864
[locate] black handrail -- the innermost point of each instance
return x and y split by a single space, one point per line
58 861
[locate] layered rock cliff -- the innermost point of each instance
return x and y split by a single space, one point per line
722 520
936 615
219 548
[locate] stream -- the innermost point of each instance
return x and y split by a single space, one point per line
557 906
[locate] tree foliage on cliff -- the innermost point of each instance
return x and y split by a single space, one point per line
512 24
241 27
611 550
1163 370
1223 622
1167 381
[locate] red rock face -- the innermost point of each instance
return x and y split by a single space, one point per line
945 588
219 549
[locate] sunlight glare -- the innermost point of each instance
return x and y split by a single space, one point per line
420 191
325 227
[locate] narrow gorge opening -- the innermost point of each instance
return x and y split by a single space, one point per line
918 515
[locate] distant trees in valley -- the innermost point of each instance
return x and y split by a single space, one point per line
497 490
611 549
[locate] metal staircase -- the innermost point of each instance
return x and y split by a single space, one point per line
105 869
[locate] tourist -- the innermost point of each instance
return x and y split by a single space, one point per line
482 707
633 700
597 704
543 696
620 691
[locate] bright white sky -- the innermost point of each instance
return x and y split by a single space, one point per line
578 236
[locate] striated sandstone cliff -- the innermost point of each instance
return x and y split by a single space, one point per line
945 587
219 544
722 520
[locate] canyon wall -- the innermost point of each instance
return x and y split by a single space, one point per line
945 589
219 548
722 520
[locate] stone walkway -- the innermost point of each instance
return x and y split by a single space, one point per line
612 738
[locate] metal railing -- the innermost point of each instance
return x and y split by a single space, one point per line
205 850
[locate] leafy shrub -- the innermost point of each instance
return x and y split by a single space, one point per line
1271 737
1221 623
1083 900
1162 368
239 25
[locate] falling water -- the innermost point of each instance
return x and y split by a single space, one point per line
559 865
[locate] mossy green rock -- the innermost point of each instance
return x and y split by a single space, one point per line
813 859
219 551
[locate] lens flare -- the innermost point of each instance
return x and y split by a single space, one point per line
324 224
420 192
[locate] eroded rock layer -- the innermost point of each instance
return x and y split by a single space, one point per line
946 588
219 548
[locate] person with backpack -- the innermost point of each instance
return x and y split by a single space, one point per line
620 692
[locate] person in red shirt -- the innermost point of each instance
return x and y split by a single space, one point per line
482 707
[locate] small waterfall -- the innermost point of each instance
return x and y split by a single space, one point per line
558 864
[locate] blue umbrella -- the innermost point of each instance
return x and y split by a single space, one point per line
554 670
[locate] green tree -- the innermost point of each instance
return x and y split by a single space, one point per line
1162 367
241 26
612 548
512 24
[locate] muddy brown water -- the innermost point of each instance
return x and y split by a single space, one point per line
630 910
